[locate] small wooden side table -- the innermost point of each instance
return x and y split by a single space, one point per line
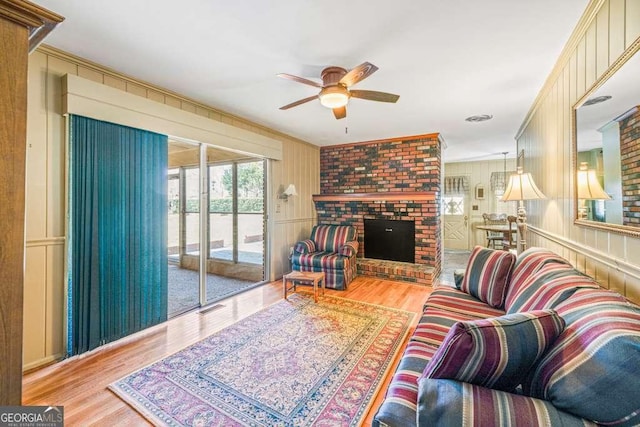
304 277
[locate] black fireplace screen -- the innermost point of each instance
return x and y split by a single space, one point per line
392 240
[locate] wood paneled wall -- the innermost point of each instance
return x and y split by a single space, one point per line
605 31
293 219
45 199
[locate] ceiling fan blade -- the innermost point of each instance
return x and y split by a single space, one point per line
301 101
299 80
374 95
359 73
340 112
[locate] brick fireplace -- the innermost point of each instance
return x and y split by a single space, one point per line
392 179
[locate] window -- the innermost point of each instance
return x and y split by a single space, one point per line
251 212
221 212
453 205
236 211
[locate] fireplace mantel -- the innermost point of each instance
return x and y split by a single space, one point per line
381 196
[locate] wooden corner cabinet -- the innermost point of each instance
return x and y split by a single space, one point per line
22 26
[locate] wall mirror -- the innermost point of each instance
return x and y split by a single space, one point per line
607 150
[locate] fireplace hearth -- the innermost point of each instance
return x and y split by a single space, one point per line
391 240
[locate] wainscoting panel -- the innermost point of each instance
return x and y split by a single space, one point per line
35 298
43 305
55 318
611 272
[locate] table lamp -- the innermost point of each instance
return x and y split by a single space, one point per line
589 188
521 187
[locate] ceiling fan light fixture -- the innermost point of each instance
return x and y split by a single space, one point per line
334 97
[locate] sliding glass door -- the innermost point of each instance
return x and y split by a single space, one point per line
236 227
229 234
250 213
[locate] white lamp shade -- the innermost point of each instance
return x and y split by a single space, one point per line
589 187
291 190
521 186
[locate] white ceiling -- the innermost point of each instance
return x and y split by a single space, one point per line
446 59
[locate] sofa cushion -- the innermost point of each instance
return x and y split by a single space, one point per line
589 298
592 369
450 299
435 324
496 352
305 247
530 261
454 403
324 260
547 287
399 406
487 275
329 238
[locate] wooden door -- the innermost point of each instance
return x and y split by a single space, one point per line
456 222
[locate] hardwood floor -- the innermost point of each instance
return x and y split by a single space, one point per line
80 384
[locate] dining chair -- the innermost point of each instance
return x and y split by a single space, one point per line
512 243
494 237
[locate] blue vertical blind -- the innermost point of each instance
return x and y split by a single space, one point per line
117 257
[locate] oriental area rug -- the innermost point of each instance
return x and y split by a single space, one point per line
295 363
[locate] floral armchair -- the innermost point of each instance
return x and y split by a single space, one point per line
330 249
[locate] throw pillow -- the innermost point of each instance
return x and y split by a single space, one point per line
497 352
591 370
487 275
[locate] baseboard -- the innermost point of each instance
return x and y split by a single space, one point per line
41 363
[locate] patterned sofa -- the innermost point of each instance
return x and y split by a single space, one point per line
519 341
330 249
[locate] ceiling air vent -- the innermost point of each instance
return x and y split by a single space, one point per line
479 118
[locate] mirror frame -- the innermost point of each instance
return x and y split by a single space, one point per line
602 226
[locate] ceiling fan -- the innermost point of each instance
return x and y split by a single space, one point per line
335 88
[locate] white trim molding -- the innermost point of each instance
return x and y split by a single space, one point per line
588 252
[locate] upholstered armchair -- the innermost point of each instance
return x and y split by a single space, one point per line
330 249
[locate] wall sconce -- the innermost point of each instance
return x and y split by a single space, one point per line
589 188
290 191
521 187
